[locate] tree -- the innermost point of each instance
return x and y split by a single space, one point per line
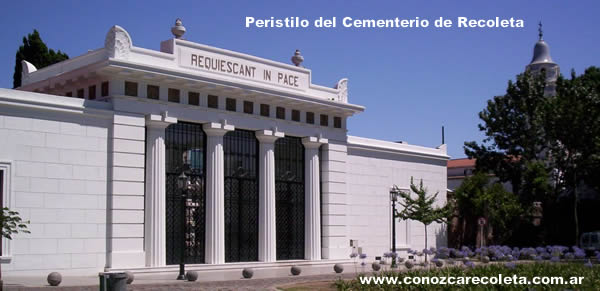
515 138
11 225
477 197
35 51
572 124
546 146
421 208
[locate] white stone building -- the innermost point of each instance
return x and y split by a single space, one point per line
129 158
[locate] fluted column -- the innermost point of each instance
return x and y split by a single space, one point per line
155 230
267 243
215 193
312 190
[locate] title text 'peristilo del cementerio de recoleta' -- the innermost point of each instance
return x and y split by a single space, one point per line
397 22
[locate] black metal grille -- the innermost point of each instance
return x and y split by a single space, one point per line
185 213
289 195
241 196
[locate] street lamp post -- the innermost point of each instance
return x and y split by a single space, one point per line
183 182
394 197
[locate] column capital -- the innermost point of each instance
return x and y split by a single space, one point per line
313 141
268 136
217 129
160 120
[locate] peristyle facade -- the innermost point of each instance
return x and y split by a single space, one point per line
126 158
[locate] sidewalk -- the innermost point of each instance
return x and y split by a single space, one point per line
264 279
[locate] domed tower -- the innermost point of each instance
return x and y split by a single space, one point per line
543 61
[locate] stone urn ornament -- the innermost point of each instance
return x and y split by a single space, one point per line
338 268
409 264
130 277
178 30
248 273
295 270
191 276
297 58
376 266
54 278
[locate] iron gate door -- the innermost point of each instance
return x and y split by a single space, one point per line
289 195
185 214
241 196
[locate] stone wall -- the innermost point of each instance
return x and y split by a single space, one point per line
57 154
371 170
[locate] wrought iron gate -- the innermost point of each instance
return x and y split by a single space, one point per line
241 196
289 195
185 213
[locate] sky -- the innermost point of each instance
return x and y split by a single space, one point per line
412 81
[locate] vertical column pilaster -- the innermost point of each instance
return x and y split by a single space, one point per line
334 206
312 188
267 239
215 193
154 217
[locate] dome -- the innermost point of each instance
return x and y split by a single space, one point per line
541 53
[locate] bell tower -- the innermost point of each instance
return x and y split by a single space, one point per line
542 61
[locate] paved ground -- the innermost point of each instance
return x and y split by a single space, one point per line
174 285
265 278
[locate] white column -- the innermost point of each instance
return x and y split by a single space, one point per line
312 208
215 193
267 243
154 226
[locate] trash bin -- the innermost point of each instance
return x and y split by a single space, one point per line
113 281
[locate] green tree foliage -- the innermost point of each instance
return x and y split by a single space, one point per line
12 223
421 208
515 140
35 51
572 125
477 197
546 146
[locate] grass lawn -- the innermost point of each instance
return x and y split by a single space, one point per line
591 279
310 286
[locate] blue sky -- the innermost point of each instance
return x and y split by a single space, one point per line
412 81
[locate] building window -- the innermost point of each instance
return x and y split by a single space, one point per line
5 180
295 115
131 88
337 122
324 120
152 92
173 95
69 94
280 112
248 107
230 104
264 110
92 92
104 89
310 118
80 93
213 101
194 98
